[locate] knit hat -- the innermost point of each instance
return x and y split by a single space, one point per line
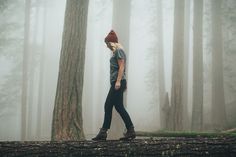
111 37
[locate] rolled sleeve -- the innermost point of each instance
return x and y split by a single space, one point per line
120 54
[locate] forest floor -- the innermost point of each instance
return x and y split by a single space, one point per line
177 146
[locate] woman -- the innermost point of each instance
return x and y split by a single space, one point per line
118 86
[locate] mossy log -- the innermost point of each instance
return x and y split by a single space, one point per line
185 134
233 130
161 146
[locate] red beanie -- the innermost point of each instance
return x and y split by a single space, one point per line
111 37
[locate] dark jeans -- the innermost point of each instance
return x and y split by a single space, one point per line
115 98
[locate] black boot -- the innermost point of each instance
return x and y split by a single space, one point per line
102 135
129 135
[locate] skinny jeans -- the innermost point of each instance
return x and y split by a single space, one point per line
115 98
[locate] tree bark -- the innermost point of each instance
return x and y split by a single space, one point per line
191 134
67 115
197 112
165 146
177 69
218 99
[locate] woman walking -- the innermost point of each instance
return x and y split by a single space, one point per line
118 86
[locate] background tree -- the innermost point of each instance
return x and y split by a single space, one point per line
229 57
120 24
177 67
41 73
207 66
161 73
218 99
25 71
11 48
187 28
32 68
121 21
67 115
197 112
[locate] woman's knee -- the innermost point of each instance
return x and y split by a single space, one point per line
108 108
119 108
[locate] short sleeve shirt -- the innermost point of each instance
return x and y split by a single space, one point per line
114 66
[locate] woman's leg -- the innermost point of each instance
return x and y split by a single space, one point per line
102 135
108 109
119 106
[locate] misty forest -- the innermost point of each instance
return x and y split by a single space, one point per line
54 67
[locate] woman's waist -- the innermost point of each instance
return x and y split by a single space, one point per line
123 81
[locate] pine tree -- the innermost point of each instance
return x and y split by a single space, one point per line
67 115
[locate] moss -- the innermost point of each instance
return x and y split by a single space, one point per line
184 134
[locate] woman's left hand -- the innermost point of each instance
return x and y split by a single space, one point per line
117 85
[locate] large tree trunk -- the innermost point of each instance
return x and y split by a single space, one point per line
120 24
218 99
177 67
25 71
67 115
197 112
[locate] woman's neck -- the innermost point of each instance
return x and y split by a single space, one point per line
113 50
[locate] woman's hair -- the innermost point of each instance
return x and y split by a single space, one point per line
116 46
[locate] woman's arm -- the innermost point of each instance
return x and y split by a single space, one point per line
121 63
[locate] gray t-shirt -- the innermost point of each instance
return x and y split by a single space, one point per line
114 66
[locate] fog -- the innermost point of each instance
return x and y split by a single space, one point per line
143 97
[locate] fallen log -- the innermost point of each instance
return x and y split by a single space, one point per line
184 134
156 146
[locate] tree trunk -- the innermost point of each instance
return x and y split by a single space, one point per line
186 117
197 112
207 36
161 74
32 67
120 24
177 69
167 112
218 99
25 71
121 21
67 115
41 74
